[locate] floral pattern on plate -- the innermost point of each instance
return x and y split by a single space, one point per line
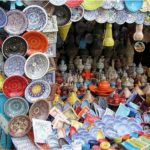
108 4
118 4
131 17
112 15
121 17
37 17
101 15
90 15
37 90
140 17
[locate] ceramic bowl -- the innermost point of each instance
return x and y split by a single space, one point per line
63 14
16 106
14 45
39 110
14 65
15 86
73 3
58 2
37 41
36 90
37 17
17 22
36 66
3 20
19 126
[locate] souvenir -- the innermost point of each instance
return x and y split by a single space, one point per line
77 13
36 66
73 3
3 20
49 77
37 42
16 106
139 46
14 45
121 17
14 65
101 15
58 2
111 15
42 129
133 6
37 17
38 89
39 110
19 126
131 17
15 86
119 4
108 4
63 14
140 17
17 22
92 5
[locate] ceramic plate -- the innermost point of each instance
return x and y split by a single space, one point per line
111 15
34 2
17 22
36 90
119 4
107 118
14 65
15 86
108 4
14 45
135 127
140 18
37 17
139 46
37 41
77 13
121 17
58 2
19 126
3 16
123 129
101 15
63 14
110 133
49 77
131 17
16 106
73 3
39 110
147 19
36 66
90 15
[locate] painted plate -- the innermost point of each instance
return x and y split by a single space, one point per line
49 77
16 106
119 4
147 19
37 17
90 15
63 14
3 18
123 129
77 13
135 127
17 22
133 5
131 17
101 15
111 15
36 90
37 41
73 3
39 110
19 126
110 133
140 18
14 45
108 4
121 17
14 65
15 86
35 2
36 66
58 2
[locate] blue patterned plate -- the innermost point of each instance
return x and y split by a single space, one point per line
36 90
135 127
3 16
90 15
119 5
131 17
140 18
123 129
110 133
108 4
101 15
112 15
121 17
16 106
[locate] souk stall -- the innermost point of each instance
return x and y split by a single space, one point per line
74 74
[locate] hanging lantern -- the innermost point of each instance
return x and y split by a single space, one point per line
108 38
138 35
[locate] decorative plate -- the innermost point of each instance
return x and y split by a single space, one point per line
119 4
34 2
92 5
19 126
147 19
90 15
133 5
131 17
37 17
39 110
37 41
36 66
121 17
36 90
3 16
139 46
77 13
63 14
14 65
101 16
110 133
135 127
73 3
111 15
17 22
15 86
16 106
14 45
49 77
140 17
58 2
108 4
123 129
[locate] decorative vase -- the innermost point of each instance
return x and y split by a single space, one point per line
138 35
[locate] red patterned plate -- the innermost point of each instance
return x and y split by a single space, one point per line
73 3
15 86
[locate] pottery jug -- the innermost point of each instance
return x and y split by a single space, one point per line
108 38
138 35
